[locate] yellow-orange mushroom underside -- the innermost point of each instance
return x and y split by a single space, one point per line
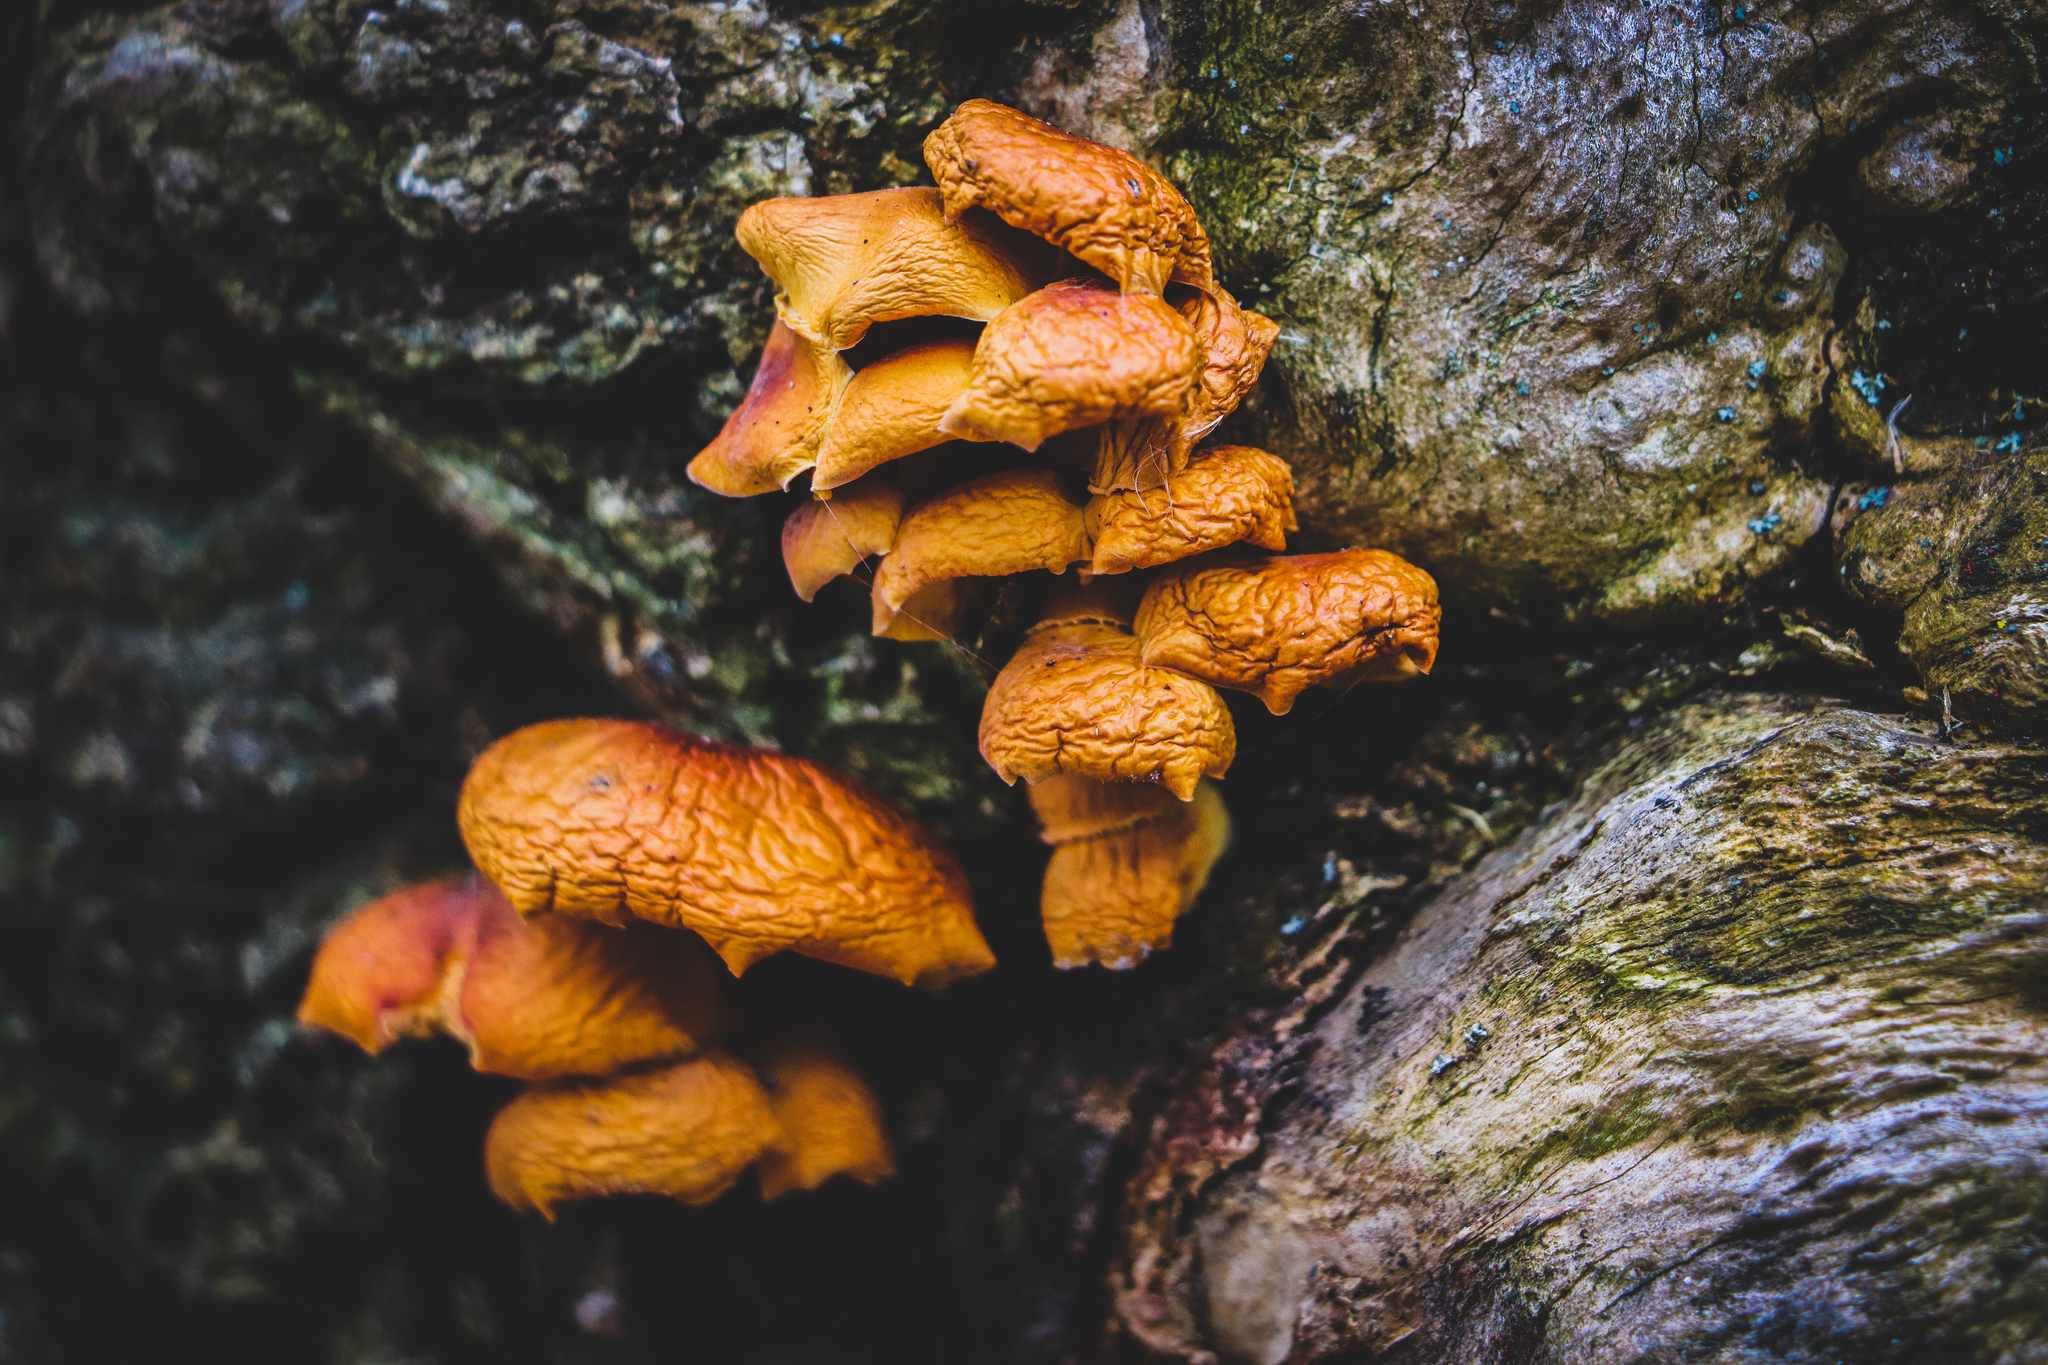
1225 495
1277 627
1103 205
846 261
831 1122
686 1131
1128 860
825 538
1004 523
1075 699
1075 354
537 1000
892 408
755 851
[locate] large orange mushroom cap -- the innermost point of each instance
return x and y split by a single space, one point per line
1128 860
687 1131
844 262
1105 206
831 1122
828 537
753 850
554 997
774 434
1075 354
1075 698
1225 495
1009 522
1277 627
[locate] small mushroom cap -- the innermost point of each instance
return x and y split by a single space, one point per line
774 434
831 1122
892 408
1075 699
554 997
844 262
1277 627
1003 523
1072 355
686 1131
1105 206
1225 495
1128 861
825 538
753 850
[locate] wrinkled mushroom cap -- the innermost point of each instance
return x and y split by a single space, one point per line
687 1131
1009 522
753 850
1075 699
831 1122
1105 206
1277 627
1127 861
1225 495
846 261
774 434
552 998
828 537
1075 354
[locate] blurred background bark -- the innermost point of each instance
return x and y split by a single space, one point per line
1659 980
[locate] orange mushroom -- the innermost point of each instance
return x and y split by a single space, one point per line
687 1131
1075 354
831 1122
1076 698
755 851
830 536
1277 627
1225 495
1105 206
541 999
893 408
842 264
774 434
1128 860
1004 523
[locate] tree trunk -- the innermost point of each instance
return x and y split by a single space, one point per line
1656 981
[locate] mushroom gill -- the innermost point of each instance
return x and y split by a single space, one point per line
753 850
1277 627
1105 206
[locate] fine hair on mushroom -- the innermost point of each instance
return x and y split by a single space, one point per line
1060 450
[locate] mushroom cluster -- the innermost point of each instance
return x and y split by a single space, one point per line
998 389
626 867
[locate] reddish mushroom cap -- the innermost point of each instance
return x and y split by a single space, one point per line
553 997
831 1122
